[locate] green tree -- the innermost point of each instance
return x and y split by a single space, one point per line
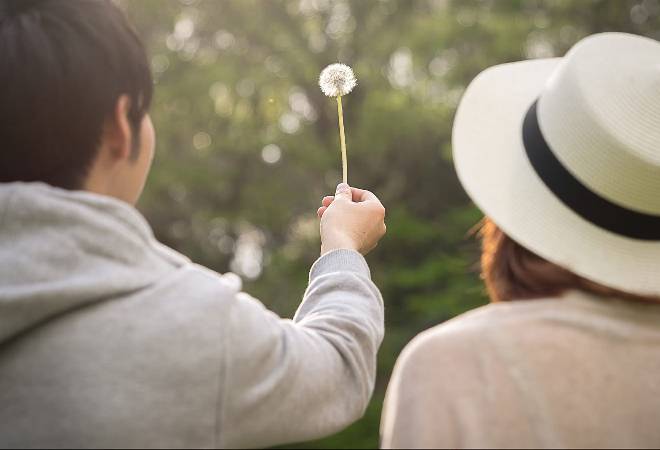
247 144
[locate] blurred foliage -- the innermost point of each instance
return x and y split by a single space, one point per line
248 145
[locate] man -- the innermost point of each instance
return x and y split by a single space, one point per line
107 337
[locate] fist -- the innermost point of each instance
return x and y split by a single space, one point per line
352 219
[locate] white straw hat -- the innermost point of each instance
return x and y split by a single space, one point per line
563 155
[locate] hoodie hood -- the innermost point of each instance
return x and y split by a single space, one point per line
61 250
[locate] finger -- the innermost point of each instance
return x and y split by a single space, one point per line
327 200
343 192
320 211
362 195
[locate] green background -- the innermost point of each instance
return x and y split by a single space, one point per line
247 145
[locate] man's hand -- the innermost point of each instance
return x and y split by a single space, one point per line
351 219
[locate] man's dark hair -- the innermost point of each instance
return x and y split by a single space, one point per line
63 66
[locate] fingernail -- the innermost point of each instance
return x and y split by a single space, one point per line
343 187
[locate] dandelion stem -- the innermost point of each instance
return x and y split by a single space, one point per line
342 139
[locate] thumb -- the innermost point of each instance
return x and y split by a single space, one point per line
344 191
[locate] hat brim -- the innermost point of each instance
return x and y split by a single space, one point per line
494 169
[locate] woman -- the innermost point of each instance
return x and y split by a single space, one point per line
563 157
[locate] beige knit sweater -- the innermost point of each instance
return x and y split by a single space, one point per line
575 372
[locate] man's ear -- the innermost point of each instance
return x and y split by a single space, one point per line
117 131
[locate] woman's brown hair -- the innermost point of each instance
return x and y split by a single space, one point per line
511 272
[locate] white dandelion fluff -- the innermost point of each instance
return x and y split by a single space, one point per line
337 80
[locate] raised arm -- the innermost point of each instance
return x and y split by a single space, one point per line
298 380
302 379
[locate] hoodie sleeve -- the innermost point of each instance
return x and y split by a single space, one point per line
302 379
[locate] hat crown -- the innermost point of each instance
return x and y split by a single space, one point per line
600 114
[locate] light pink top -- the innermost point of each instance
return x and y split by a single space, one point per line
580 371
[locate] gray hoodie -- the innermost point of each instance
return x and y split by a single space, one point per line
110 339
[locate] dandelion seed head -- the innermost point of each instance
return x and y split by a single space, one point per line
336 80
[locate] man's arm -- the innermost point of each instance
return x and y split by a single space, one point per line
304 379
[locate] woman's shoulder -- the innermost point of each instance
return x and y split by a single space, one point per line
493 316
473 332
528 325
